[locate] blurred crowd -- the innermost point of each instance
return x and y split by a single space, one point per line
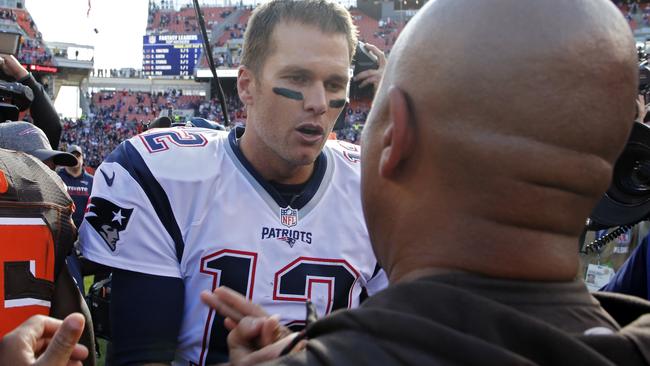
97 137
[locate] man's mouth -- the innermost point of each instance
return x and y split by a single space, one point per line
310 130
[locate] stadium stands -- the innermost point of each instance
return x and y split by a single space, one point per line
636 12
382 33
96 137
118 115
221 28
183 21
140 107
211 110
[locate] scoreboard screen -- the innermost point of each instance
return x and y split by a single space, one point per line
171 54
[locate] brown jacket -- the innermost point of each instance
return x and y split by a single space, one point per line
471 320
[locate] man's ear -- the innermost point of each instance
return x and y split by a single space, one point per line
245 85
399 136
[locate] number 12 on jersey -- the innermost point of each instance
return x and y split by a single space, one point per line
236 269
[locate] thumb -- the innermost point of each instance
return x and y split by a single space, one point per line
60 348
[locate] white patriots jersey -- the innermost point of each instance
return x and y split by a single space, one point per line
185 203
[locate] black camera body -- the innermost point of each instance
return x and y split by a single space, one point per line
18 94
627 201
14 98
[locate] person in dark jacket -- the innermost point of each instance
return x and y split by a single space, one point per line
491 138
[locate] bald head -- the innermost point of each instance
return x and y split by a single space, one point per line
556 71
514 112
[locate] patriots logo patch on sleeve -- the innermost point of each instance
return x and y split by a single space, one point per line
108 219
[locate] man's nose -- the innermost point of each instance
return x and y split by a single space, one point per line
316 100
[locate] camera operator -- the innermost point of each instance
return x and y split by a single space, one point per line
42 110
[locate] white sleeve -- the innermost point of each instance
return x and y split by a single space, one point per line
127 224
377 283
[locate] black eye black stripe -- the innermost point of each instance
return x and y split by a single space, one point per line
296 95
337 103
288 93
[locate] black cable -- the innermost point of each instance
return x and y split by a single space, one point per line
597 245
208 52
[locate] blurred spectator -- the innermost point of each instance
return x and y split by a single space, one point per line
78 183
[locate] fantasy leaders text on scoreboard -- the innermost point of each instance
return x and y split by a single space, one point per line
171 54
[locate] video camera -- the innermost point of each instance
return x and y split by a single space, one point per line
627 201
14 97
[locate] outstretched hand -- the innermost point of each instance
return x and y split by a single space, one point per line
254 335
641 108
45 341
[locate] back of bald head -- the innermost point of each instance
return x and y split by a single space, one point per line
537 91
561 72
498 120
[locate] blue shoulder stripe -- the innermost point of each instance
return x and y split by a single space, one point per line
128 157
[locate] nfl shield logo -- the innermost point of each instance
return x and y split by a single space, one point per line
288 216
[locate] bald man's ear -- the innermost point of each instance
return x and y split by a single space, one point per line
397 142
245 85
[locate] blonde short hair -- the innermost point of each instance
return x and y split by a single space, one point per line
327 16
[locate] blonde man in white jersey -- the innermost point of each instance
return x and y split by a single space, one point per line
271 211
